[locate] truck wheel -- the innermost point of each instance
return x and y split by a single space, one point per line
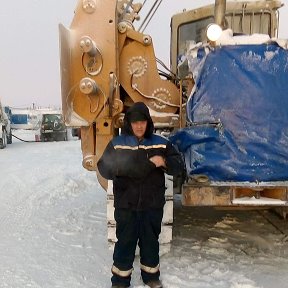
3 142
9 138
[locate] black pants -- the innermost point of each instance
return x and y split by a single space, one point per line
132 227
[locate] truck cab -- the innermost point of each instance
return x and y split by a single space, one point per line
232 87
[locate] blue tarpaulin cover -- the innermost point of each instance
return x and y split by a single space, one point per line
239 115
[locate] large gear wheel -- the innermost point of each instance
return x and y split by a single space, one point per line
137 66
162 94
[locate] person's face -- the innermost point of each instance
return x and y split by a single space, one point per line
139 128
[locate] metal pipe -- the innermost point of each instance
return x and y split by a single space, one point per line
151 16
219 12
148 15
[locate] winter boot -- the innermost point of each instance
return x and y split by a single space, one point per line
154 284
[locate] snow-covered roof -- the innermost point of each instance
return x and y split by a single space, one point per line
227 38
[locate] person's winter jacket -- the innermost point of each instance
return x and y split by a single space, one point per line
137 183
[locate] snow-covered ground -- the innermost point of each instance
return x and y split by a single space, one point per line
53 231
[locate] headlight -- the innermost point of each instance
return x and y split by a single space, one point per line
213 32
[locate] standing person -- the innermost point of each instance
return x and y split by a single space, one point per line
136 162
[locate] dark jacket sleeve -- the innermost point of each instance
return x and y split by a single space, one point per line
174 161
118 163
105 164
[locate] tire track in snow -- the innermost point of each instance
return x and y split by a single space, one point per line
15 210
17 278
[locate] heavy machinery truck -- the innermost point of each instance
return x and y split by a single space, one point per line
223 101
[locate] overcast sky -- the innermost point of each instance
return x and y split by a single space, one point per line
29 50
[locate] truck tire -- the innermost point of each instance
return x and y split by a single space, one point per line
9 138
3 140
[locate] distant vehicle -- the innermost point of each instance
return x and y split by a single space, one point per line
25 118
5 129
53 128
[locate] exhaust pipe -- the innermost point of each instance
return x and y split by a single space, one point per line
219 13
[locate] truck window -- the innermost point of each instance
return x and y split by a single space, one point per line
241 22
193 31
